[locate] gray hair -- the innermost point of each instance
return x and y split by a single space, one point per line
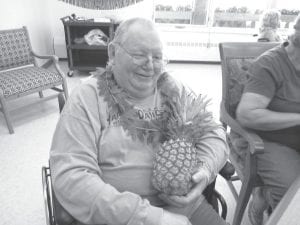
122 30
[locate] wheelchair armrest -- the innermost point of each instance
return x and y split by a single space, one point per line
227 171
256 144
55 213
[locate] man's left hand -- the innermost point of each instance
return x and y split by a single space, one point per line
201 180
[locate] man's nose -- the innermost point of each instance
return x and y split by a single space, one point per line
149 63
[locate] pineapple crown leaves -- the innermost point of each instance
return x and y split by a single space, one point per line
188 117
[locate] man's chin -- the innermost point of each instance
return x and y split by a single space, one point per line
144 91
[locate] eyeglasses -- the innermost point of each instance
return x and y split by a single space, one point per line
141 60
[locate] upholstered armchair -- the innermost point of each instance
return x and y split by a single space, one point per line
20 74
244 144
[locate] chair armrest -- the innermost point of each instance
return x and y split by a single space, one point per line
256 144
54 60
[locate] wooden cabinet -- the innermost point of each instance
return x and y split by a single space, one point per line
82 56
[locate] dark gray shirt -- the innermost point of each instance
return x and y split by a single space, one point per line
274 76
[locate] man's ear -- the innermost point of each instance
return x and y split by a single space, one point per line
111 51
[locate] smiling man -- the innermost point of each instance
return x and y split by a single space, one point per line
138 59
101 158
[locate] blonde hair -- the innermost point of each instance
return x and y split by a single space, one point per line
270 20
269 23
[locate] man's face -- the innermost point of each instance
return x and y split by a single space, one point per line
137 61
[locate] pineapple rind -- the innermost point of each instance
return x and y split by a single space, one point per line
174 164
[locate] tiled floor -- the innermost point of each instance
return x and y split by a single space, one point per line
25 152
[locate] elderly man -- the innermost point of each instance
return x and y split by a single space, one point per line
101 166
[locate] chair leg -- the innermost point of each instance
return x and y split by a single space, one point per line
41 94
243 199
233 190
247 185
6 115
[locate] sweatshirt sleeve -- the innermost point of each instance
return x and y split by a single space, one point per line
76 177
213 151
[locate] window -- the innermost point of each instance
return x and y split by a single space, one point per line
289 10
192 29
181 11
236 13
222 13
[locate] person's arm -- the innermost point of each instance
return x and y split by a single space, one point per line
265 76
252 112
213 152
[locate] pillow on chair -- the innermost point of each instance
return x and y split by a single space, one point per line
238 151
238 77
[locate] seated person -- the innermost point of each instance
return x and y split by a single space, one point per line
270 105
269 23
102 166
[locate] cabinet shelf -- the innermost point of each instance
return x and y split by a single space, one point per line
86 46
86 23
83 56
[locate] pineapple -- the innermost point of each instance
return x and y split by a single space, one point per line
176 160
174 164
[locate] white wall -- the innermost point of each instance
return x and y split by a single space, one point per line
58 9
42 18
30 13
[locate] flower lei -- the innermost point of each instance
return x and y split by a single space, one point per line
115 97
183 114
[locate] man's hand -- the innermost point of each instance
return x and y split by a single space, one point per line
174 219
201 180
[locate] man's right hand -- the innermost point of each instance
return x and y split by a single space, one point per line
174 219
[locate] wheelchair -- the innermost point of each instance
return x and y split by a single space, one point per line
57 215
